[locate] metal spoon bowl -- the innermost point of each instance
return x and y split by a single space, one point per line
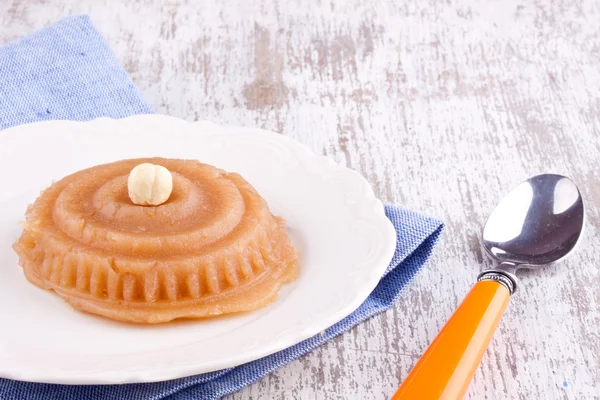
537 224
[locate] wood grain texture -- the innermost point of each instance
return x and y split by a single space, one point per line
444 106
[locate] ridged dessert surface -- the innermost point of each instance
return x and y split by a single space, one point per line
214 247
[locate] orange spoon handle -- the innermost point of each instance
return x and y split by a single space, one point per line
448 365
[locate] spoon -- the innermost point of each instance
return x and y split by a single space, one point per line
537 224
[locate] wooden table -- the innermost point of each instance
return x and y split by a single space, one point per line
443 106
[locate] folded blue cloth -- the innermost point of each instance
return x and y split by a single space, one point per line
67 71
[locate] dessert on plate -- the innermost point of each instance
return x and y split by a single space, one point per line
152 240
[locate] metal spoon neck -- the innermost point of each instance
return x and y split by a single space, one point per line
502 274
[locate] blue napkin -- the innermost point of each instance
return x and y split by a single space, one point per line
67 71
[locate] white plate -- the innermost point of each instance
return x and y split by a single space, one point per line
333 217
